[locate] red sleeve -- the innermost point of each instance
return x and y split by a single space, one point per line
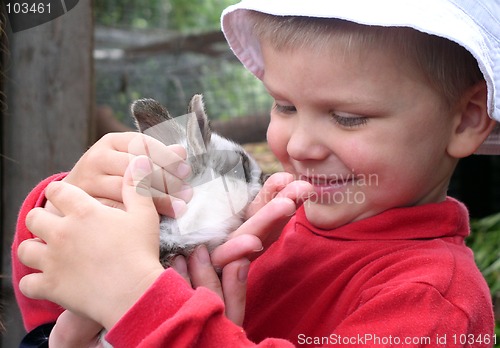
172 314
34 312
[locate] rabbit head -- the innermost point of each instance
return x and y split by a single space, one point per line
225 178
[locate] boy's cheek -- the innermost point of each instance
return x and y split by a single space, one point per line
277 141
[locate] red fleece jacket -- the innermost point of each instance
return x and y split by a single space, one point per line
401 277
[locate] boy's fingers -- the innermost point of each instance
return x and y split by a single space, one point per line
298 191
32 285
39 221
255 234
170 160
139 144
170 206
30 253
273 216
166 182
72 331
232 290
264 224
109 186
68 198
170 157
180 266
274 184
201 271
165 204
136 189
234 284
111 203
268 222
234 249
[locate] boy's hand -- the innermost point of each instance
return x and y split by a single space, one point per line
94 260
100 171
270 211
231 287
268 214
74 331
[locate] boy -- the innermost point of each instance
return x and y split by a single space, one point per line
373 119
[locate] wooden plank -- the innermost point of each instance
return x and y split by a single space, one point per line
3 43
204 43
49 93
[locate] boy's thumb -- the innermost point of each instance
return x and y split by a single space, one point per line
136 190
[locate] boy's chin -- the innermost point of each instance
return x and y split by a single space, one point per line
333 215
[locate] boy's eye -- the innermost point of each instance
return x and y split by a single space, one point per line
349 122
285 109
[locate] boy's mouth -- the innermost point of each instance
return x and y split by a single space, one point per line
332 182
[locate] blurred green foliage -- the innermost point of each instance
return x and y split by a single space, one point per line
178 15
199 14
485 242
131 13
229 89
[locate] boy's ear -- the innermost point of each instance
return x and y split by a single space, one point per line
472 124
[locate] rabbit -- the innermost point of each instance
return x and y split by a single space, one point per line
224 178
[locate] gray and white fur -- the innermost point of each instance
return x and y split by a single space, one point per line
224 178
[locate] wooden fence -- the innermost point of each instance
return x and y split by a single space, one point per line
46 123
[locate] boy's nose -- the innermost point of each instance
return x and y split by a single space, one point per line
305 143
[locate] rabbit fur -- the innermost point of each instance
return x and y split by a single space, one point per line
224 178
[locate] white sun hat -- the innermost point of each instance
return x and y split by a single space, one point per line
473 24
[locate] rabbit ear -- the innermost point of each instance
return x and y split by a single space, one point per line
148 113
196 105
151 118
198 128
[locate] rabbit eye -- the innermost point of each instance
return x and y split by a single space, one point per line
241 167
235 164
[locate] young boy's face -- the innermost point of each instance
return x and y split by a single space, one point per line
367 130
